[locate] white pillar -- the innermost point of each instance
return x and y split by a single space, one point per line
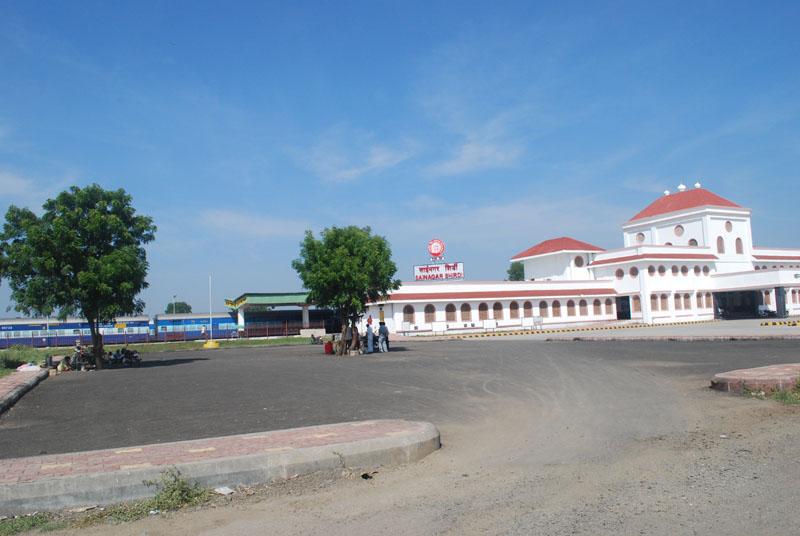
240 315
305 316
644 297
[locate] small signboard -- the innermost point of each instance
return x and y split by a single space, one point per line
453 271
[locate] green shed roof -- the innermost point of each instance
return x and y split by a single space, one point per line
268 298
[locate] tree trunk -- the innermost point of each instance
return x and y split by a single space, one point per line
353 329
97 342
343 316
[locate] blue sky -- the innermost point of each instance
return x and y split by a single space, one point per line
493 125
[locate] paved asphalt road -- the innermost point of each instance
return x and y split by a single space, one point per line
189 395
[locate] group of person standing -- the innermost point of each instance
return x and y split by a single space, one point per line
383 337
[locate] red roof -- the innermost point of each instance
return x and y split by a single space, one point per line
776 257
696 256
556 244
697 197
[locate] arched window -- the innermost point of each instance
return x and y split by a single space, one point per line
678 302
767 298
684 270
706 270
692 242
483 311
556 308
620 273
578 261
728 226
687 302
543 309
583 310
497 310
654 302
597 307
450 312
466 312
675 269
720 245
664 302
408 314
527 309
639 237
651 270
678 230
513 310
430 313
794 296
637 304
634 271
699 300
709 301
570 308
662 270
739 246
609 306
696 270
758 267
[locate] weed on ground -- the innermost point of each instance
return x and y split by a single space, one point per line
785 396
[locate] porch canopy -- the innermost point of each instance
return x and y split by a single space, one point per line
262 301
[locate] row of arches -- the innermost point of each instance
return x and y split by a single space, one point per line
544 308
765 267
738 244
681 301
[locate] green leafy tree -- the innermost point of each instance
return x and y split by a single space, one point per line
84 256
180 307
345 270
516 272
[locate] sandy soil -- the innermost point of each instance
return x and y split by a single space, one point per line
566 462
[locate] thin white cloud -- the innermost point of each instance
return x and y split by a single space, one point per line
239 224
344 155
25 192
13 185
475 155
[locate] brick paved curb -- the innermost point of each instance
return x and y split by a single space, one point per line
768 379
114 475
16 384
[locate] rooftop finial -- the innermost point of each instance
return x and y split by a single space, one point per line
697 185
666 192
681 187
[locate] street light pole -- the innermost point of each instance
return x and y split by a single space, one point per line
174 297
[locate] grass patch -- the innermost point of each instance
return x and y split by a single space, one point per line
17 355
174 493
22 524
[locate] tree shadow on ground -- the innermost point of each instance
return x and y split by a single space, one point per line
146 363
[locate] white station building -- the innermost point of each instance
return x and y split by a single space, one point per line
689 256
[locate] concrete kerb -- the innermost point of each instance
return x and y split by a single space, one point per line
119 486
7 400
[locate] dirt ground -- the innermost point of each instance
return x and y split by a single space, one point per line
568 461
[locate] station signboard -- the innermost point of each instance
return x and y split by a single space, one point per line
453 271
